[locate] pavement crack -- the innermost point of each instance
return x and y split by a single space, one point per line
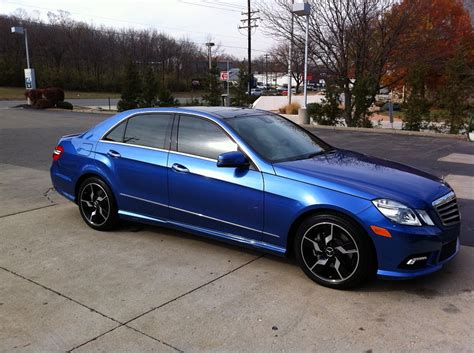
60 294
30 210
125 324
93 339
162 305
154 338
193 290
47 194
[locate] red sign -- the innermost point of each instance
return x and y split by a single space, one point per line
224 75
309 77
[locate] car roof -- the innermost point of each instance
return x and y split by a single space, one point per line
222 112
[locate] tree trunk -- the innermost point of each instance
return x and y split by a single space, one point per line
348 105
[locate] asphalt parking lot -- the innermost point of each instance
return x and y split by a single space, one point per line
65 287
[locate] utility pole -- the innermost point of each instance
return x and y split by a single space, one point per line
266 70
290 53
250 23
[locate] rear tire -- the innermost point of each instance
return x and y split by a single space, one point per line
97 204
334 251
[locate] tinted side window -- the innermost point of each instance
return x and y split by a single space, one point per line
148 130
202 138
116 134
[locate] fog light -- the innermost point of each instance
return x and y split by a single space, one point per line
413 260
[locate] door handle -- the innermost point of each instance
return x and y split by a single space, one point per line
179 168
114 154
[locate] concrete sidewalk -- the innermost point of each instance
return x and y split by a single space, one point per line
65 287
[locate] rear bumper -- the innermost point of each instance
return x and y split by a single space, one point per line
62 183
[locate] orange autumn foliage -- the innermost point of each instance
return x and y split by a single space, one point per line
436 30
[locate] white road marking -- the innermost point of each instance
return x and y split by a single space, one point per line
458 158
463 186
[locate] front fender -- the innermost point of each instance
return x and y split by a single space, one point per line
286 200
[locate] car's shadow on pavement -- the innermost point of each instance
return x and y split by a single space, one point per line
451 280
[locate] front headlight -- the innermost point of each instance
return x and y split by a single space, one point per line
397 212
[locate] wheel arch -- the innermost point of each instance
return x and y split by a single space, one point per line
86 175
329 211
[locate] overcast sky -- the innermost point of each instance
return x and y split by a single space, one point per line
196 20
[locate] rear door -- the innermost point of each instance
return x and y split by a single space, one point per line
227 200
136 153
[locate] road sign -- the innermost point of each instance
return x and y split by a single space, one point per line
30 80
224 75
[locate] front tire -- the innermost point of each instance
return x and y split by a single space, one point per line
97 204
334 252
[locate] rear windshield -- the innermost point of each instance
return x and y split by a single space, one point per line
277 139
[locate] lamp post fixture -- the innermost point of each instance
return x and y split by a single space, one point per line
30 81
304 9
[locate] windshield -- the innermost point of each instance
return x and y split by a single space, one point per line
277 139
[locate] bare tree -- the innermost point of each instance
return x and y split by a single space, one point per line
81 56
352 39
280 53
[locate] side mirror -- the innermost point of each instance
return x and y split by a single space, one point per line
234 159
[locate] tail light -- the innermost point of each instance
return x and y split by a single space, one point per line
58 152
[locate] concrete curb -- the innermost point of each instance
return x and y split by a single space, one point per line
387 131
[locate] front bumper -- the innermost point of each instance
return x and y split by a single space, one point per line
438 244
432 265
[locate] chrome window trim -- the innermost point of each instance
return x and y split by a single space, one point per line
133 145
199 214
226 132
179 113
131 116
194 156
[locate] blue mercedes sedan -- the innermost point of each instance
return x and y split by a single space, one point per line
254 178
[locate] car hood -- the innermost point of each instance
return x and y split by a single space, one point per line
365 176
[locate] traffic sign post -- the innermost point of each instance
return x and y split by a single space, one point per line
224 75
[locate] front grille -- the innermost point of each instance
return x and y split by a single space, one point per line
447 250
447 209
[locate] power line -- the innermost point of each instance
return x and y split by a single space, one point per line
141 24
223 3
209 6
121 20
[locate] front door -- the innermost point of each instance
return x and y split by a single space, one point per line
226 200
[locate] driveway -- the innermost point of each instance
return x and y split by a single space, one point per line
65 287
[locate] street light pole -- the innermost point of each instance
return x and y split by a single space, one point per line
27 50
209 46
304 9
305 89
290 53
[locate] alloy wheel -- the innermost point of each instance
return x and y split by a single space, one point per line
330 252
95 204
